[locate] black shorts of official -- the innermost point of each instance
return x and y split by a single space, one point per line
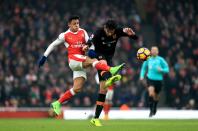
157 84
109 62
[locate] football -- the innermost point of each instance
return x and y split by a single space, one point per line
143 54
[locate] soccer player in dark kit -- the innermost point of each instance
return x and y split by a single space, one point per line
105 41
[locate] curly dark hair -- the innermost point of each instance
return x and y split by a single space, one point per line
111 24
73 17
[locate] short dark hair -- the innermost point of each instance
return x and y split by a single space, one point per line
73 17
111 24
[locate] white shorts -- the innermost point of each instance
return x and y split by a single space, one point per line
76 66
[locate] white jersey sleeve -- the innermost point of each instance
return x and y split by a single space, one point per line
51 47
86 36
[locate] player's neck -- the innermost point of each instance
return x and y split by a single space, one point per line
73 31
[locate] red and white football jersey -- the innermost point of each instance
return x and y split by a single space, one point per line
74 42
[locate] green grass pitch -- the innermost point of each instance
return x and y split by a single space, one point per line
84 125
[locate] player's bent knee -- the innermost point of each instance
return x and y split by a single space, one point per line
151 93
77 89
90 60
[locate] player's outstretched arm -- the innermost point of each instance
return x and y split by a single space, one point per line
91 52
165 68
42 61
50 48
130 33
127 32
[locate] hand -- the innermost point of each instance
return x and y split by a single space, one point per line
92 54
143 82
85 48
129 31
42 61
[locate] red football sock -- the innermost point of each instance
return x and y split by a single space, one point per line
101 65
67 95
106 108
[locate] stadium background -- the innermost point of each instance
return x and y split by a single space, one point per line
28 27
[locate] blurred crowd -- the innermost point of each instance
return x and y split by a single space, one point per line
28 27
177 34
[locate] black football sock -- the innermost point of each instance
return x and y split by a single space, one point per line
151 103
155 106
99 105
105 74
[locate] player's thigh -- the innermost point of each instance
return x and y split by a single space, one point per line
107 59
79 81
158 87
103 90
151 90
88 62
101 79
151 87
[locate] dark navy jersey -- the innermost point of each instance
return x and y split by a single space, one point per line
105 45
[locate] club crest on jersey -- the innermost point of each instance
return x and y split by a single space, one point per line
70 38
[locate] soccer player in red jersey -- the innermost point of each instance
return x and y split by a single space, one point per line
75 40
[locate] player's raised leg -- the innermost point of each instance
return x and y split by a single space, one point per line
102 65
